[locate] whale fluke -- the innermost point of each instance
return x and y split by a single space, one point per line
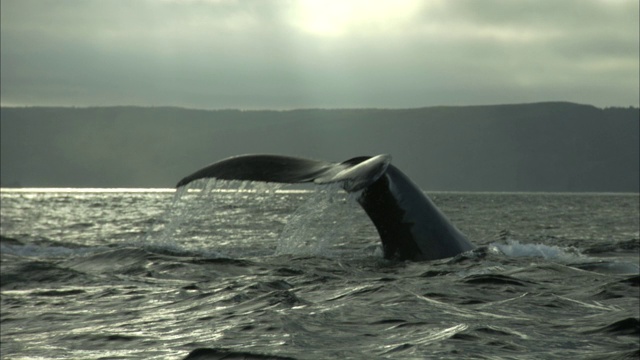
410 226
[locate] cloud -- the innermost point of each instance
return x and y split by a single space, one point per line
285 54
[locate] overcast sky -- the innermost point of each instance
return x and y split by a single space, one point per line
267 54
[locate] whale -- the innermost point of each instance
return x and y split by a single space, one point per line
410 225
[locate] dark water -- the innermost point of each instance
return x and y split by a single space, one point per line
260 270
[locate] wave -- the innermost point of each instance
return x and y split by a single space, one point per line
213 354
629 326
18 274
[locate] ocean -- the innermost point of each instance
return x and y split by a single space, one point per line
258 271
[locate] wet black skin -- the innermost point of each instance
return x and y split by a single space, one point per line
411 227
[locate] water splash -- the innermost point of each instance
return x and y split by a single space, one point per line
234 215
568 255
514 248
318 223
171 231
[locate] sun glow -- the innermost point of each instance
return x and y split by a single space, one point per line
337 18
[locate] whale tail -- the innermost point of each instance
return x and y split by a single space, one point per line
410 226
355 173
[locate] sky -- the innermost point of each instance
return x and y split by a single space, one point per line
267 54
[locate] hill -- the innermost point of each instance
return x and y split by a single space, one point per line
522 147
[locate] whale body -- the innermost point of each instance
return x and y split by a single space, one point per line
410 226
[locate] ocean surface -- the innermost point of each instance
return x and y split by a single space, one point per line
243 270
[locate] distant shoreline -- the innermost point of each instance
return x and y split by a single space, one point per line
177 107
537 147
